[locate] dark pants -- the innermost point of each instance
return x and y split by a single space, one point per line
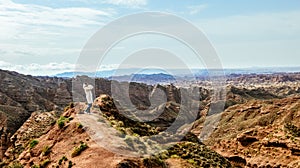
88 109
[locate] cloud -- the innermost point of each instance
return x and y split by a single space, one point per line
127 3
193 10
108 67
54 68
44 34
24 14
38 69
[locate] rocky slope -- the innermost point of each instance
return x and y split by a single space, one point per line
260 133
255 133
28 94
259 123
20 95
43 141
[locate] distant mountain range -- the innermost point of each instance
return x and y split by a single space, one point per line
135 74
146 78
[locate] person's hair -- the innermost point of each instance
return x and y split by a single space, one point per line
85 83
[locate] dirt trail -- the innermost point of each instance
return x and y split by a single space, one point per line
103 134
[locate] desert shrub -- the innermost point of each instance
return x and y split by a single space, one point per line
71 105
164 154
120 123
46 150
192 161
135 135
64 158
79 125
121 130
61 121
175 156
294 130
16 164
70 164
128 163
45 163
33 143
18 149
35 166
154 161
77 150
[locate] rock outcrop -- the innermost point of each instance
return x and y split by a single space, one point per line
40 142
260 133
20 95
260 121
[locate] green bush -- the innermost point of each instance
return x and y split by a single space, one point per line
154 161
77 150
191 161
79 125
135 135
46 150
61 121
35 166
64 158
33 143
175 156
70 164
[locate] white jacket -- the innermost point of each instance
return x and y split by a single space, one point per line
88 93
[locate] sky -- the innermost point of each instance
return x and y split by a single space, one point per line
46 37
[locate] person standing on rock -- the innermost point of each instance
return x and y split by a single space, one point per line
89 97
